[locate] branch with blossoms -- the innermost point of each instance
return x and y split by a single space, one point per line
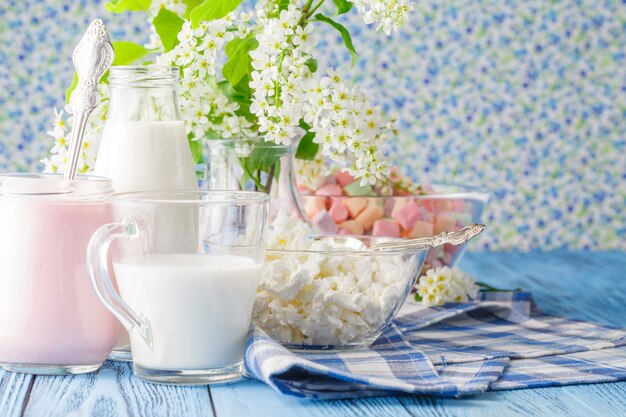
248 74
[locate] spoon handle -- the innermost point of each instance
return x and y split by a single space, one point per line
92 58
452 238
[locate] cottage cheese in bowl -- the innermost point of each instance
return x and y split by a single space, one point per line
329 292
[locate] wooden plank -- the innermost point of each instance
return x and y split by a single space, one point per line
571 401
14 393
253 398
113 391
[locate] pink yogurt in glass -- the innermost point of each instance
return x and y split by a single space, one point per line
51 321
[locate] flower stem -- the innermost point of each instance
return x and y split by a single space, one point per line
317 6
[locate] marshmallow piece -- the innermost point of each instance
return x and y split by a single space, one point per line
351 227
344 178
443 205
389 205
322 222
387 228
458 205
356 189
408 215
429 205
329 190
354 205
399 205
443 223
422 229
313 205
369 215
338 212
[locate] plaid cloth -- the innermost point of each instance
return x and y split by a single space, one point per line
500 342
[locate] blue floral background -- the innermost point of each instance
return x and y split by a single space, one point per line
524 98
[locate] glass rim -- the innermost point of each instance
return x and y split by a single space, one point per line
351 252
254 139
32 184
461 191
138 75
217 197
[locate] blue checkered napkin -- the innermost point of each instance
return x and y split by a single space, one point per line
500 342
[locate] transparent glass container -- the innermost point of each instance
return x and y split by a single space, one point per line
253 165
50 319
144 144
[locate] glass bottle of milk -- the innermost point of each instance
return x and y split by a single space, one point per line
144 145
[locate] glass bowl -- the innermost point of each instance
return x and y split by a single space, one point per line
442 208
340 298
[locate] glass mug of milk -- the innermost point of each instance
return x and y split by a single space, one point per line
50 319
186 298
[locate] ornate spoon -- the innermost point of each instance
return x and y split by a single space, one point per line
452 238
92 58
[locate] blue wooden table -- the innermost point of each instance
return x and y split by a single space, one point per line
583 285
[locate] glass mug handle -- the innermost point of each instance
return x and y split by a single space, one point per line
97 256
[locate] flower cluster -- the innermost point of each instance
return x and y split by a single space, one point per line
442 285
197 55
61 130
347 127
388 15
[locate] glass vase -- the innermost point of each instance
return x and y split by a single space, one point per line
252 164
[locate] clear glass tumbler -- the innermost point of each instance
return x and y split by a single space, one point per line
50 319
186 293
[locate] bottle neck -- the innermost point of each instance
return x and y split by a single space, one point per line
143 103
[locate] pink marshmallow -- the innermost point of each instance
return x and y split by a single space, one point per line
330 190
458 205
422 229
429 205
389 205
351 227
322 222
443 205
369 215
408 215
387 228
354 205
338 212
313 205
398 206
443 223
344 178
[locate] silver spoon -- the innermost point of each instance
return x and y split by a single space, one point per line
92 58
451 238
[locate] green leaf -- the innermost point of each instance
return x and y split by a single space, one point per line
282 5
239 63
71 88
211 10
128 52
307 149
125 53
264 156
196 150
167 25
120 6
343 6
191 4
311 63
345 35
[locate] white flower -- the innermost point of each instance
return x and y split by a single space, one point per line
442 285
388 15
